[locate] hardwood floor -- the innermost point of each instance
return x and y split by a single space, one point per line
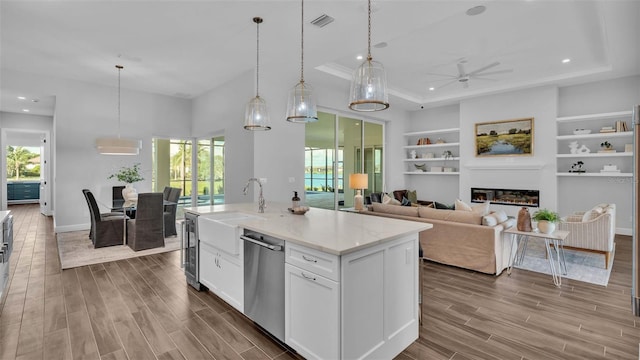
142 309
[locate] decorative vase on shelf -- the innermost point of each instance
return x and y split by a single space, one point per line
546 227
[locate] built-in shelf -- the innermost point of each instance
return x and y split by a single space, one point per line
595 155
594 174
430 173
432 159
603 116
598 135
431 146
432 132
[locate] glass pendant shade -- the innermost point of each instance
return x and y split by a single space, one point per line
301 107
369 87
256 116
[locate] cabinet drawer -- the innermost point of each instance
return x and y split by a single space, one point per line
321 263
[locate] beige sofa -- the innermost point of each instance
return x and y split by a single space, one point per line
457 238
593 230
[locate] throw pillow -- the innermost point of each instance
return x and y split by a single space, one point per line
443 206
399 194
489 220
461 205
500 215
412 196
386 199
510 222
590 215
405 202
482 209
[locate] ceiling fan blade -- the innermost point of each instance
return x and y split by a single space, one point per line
495 72
483 78
484 68
461 69
444 75
447 84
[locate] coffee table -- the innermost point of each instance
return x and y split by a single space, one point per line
520 240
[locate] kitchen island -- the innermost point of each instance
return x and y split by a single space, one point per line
350 282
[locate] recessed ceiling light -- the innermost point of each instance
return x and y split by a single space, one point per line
566 61
25 110
476 10
359 57
431 88
22 98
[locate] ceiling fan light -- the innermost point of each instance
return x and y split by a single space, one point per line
369 88
256 116
301 107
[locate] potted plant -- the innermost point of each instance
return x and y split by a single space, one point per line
128 175
546 219
606 145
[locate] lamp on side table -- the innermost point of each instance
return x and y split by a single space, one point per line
358 182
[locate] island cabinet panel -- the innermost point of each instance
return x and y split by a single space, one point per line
370 312
223 274
312 314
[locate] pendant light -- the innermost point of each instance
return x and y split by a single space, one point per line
301 107
118 145
369 83
256 116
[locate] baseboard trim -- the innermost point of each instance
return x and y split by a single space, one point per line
624 231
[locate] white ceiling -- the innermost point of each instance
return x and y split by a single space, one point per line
185 48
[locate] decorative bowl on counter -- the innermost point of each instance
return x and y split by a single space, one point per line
581 131
300 210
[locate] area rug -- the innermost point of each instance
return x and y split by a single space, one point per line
581 265
76 249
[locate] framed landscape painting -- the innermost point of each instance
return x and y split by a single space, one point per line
504 138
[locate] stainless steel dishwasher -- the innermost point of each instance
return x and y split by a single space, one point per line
264 281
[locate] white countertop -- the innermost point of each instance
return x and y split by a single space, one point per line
335 232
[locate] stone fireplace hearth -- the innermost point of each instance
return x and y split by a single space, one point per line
513 197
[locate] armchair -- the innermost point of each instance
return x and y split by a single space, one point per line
593 230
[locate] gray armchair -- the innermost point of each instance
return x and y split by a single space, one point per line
107 229
172 195
146 231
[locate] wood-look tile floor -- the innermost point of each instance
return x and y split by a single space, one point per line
142 309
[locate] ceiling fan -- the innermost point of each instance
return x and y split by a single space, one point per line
464 77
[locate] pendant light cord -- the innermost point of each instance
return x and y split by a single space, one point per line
302 43
257 21
369 34
119 67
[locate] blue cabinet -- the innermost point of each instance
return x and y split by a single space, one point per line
19 192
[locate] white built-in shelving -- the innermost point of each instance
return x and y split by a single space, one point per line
441 141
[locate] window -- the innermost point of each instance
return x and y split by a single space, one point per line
23 163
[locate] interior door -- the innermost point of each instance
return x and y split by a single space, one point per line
45 186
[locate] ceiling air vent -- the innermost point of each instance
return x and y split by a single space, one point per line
322 20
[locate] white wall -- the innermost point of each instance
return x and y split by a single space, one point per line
577 194
85 112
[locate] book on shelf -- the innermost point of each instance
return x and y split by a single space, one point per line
621 126
607 130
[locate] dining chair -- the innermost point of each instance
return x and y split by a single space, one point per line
170 211
107 229
146 231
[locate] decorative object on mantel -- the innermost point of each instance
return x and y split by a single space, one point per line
421 167
118 145
546 219
301 107
524 220
369 83
504 138
576 149
577 167
128 175
256 116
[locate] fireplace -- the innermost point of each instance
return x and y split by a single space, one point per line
512 197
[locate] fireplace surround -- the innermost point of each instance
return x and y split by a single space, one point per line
513 197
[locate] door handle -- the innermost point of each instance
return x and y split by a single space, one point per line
260 243
307 277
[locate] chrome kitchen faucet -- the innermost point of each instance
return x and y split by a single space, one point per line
261 202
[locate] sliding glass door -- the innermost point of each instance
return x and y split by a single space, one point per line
335 147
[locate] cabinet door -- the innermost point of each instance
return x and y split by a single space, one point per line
210 274
231 287
312 314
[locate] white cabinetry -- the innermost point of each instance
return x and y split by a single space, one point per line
361 305
223 273
594 161
432 157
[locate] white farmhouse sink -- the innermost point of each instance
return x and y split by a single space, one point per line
222 231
